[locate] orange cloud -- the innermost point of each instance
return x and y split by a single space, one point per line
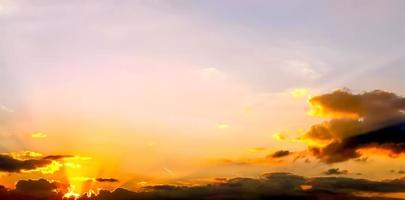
359 121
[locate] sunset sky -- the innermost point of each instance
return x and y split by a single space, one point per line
107 94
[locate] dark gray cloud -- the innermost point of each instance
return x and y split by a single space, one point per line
10 164
57 157
344 184
371 119
283 186
391 138
111 180
335 171
37 189
280 153
29 186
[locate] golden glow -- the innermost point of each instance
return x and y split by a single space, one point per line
80 174
223 126
379 151
77 158
299 93
38 135
81 178
279 136
72 165
311 142
25 155
317 110
49 169
71 193
306 187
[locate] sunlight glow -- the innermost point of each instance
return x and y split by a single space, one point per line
38 135
25 154
279 136
223 126
317 110
299 93
71 193
49 169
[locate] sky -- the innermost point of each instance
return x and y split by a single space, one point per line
128 94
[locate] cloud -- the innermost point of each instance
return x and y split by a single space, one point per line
10 164
344 184
111 180
276 185
280 153
373 119
24 155
373 105
3 107
34 186
391 138
362 159
57 157
334 129
280 185
335 171
29 161
34 190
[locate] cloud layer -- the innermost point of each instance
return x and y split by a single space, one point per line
373 119
268 186
10 164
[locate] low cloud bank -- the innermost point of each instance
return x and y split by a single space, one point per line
284 186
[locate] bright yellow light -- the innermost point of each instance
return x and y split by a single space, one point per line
77 175
81 178
298 93
279 136
25 155
77 158
311 142
49 169
317 110
71 193
223 126
72 165
38 135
